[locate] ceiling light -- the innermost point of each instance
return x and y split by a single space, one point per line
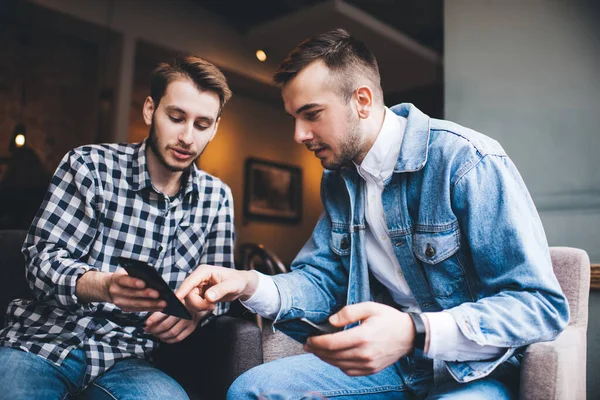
261 55
20 140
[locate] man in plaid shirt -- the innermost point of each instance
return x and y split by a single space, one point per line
91 327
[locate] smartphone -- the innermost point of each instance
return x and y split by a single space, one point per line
153 280
300 329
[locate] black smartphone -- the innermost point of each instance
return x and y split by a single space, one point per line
301 329
153 280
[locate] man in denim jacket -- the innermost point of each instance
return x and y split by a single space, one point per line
430 250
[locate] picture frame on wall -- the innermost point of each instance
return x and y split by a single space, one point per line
272 191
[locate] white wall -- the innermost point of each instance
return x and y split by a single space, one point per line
527 74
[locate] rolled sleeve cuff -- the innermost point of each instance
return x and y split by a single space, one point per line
66 287
448 343
443 335
265 300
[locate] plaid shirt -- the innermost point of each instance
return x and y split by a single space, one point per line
101 205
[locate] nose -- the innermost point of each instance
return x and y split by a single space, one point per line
186 136
302 132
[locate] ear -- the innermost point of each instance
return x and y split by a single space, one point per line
148 110
215 130
364 101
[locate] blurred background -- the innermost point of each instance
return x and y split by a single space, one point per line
524 72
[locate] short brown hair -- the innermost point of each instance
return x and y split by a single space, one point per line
206 76
346 57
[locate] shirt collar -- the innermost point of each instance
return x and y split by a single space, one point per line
140 176
380 160
192 184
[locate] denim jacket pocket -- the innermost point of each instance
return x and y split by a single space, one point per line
438 252
340 243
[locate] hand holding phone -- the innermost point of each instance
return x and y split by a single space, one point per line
301 329
153 280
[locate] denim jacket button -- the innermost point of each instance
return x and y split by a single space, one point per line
430 251
344 244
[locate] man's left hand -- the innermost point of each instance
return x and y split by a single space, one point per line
384 336
171 329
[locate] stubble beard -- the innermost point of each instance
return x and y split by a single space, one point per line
350 147
154 147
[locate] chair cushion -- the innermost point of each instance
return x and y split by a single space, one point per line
13 283
555 370
278 345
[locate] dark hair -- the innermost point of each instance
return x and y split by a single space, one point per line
206 77
346 57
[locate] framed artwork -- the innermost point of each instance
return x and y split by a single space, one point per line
273 191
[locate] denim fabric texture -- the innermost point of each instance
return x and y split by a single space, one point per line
408 379
29 376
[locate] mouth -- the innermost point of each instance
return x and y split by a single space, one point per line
319 151
181 154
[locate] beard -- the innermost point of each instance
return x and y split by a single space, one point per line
349 148
154 147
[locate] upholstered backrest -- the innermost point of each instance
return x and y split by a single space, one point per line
572 269
256 256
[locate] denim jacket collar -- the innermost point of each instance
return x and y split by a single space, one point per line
414 147
380 161
413 152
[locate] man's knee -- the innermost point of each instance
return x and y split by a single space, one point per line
151 390
275 375
136 379
246 386
481 389
27 376
297 375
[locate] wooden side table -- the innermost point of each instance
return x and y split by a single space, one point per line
595 277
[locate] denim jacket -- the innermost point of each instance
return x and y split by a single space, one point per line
466 234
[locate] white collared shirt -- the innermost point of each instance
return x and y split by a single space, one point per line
376 169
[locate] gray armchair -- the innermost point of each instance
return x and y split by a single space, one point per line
556 370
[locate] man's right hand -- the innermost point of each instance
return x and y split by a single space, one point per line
216 284
126 292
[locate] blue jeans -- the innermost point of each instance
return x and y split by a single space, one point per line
306 377
28 376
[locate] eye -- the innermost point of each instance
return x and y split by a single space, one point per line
201 127
313 115
175 119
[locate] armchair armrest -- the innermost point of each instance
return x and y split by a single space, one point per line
555 370
208 361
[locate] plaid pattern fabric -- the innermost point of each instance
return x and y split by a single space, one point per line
101 205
